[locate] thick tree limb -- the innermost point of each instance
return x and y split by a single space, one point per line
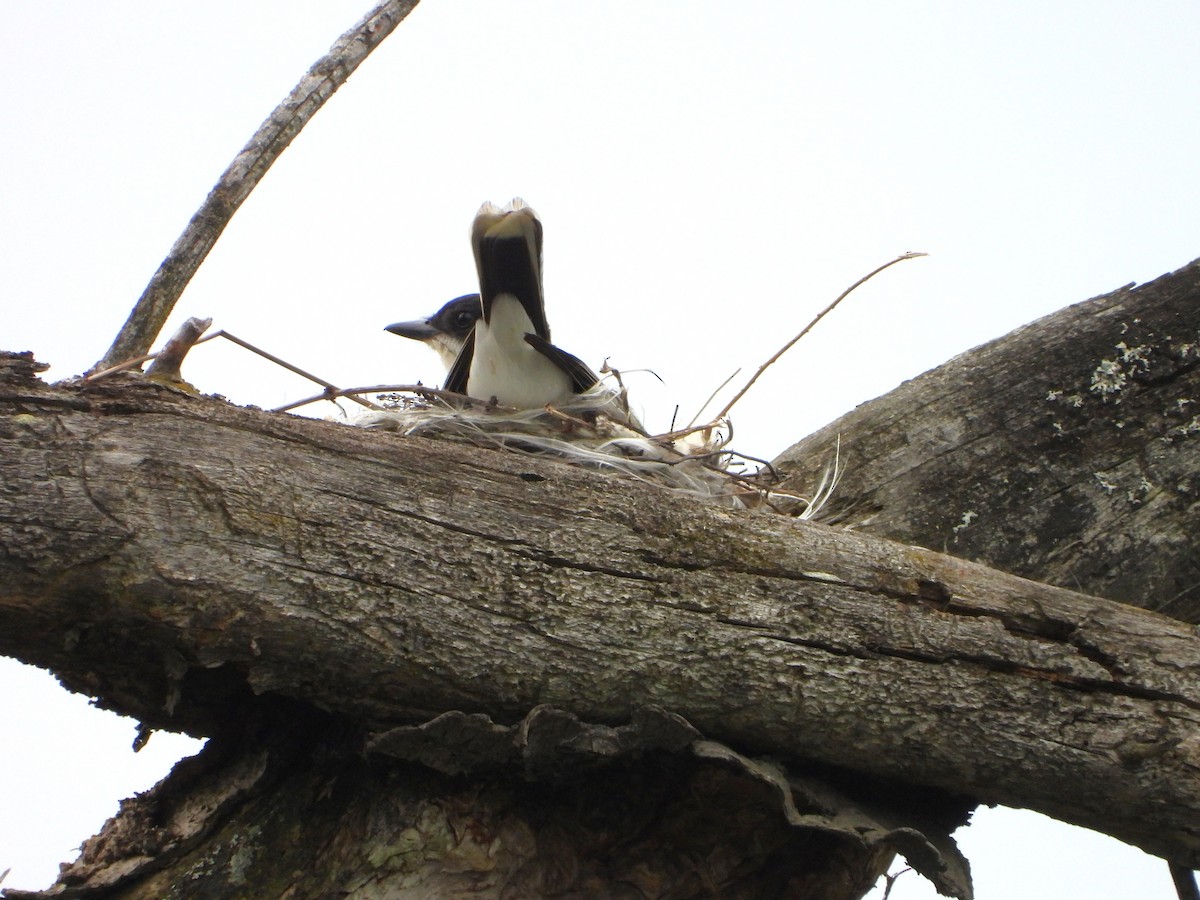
1067 451
164 552
247 169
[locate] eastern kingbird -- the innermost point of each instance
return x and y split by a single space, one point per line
508 356
446 330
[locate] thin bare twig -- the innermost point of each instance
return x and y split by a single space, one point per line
420 390
809 327
566 418
762 462
331 390
123 365
720 387
328 385
150 312
451 398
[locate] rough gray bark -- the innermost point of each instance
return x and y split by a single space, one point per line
1067 451
175 556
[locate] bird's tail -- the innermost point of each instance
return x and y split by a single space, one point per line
508 255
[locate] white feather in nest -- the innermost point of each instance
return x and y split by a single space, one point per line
596 430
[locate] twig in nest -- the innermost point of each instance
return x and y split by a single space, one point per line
566 418
762 462
720 387
705 431
809 327
247 169
630 419
596 430
427 393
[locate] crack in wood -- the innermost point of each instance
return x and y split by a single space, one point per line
560 562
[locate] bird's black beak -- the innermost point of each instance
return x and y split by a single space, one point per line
418 330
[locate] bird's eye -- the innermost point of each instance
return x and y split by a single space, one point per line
463 319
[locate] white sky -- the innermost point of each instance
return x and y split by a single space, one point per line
709 175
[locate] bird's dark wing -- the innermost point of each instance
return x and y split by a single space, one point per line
581 375
456 381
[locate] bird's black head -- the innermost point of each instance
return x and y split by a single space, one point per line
458 317
453 321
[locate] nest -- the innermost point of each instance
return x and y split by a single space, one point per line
597 430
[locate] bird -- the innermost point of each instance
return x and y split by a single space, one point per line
446 330
508 357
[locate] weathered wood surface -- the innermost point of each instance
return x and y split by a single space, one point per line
163 552
1067 451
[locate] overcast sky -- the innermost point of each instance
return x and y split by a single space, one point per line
709 177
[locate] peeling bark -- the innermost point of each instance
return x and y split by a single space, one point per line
646 824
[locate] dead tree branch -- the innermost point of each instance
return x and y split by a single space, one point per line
167 553
247 169
1067 451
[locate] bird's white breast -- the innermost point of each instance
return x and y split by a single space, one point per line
506 367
